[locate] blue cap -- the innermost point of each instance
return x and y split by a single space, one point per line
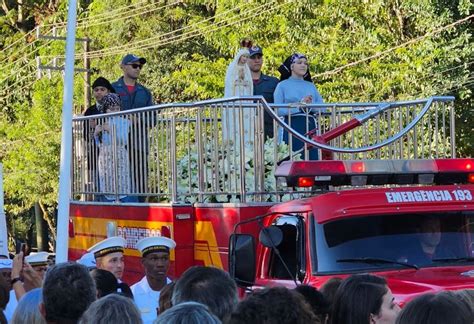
255 50
131 58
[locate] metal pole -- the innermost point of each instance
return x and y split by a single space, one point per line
3 222
87 79
66 139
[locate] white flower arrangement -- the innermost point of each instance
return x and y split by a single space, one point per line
221 172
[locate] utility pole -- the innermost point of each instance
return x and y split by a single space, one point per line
87 79
53 65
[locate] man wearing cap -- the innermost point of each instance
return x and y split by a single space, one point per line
39 262
263 85
109 255
100 88
156 262
135 95
88 260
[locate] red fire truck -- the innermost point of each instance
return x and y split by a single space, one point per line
418 235
392 174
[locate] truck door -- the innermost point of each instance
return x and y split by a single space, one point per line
292 263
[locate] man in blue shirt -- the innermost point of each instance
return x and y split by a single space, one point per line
134 95
263 85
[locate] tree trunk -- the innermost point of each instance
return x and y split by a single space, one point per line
48 220
41 229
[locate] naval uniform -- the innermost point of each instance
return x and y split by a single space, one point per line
11 306
146 299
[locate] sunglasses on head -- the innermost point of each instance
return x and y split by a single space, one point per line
136 66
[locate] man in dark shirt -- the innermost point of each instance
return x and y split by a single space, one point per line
263 85
134 95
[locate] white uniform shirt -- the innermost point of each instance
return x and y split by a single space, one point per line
146 299
11 306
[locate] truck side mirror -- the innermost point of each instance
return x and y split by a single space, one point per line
271 236
242 262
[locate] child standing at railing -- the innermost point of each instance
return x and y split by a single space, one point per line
111 137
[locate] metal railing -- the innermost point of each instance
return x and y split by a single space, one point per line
216 150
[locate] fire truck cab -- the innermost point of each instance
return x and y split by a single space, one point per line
410 221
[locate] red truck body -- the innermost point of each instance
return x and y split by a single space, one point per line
360 205
211 186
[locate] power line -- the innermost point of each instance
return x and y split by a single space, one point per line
105 14
19 39
130 46
376 55
16 90
192 33
16 71
139 12
19 51
434 74
26 56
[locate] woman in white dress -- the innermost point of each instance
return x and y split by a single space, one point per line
238 83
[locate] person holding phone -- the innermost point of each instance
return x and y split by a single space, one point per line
296 87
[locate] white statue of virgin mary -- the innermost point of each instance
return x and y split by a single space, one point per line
238 83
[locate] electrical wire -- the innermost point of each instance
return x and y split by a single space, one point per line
376 55
425 77
19 39
10 93
139 12
17 71
192 33
18 51
26 56
130 46
110 13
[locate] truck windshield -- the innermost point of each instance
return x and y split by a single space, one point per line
395 241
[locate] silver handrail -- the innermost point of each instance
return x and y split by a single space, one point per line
185 152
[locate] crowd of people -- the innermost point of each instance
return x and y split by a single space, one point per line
91 290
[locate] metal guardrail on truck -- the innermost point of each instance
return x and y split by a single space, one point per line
182 152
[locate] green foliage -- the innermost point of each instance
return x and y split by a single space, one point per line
189 44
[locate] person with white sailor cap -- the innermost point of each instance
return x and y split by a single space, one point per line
39 262
88 260
5 270
156 262
108 255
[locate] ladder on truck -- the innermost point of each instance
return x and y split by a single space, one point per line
191 157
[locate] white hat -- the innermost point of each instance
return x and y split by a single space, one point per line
107 246
155 244
88 260
6 263
37 259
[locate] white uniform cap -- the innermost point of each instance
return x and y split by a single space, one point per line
6 263
155 244
88 260
37 259
107 246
